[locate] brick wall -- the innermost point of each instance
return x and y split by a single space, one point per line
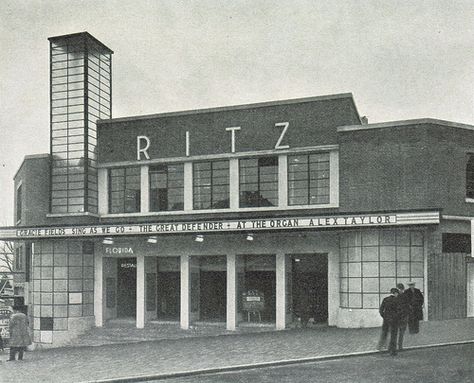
407 167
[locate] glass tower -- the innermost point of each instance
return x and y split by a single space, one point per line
81 93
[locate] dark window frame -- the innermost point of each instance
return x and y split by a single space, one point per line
470 176
255 198
213 168
123 207
19 202
165 169
308 179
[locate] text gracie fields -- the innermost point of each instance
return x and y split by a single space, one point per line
288 223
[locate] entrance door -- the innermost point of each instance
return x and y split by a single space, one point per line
127 287
213 295
310 285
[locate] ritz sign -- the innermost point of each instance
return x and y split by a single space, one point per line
143 142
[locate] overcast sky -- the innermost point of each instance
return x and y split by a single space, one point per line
400 59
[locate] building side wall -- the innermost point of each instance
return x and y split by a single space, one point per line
405 168
34 179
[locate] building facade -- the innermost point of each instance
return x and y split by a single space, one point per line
243 215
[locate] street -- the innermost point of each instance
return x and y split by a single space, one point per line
433 365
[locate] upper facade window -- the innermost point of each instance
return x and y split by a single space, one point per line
19 202
470 177
258 184
308 179
166 187
124 186
18 259
211 185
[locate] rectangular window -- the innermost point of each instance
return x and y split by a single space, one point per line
371 262
167 187
19 259
470 177
124 187
308 179
211 185
456 243
258 182
28 257
19 202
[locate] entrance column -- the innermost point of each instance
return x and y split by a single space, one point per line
280 291
98 290
185 292
472 238
231 292
470 277
140 291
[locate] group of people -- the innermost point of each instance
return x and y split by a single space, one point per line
19 334
400 309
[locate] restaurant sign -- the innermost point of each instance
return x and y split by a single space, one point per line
281 223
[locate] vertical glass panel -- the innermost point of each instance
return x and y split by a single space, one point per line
308 179
258 182
167 187
124 190
211 185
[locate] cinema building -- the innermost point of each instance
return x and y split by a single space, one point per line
238 215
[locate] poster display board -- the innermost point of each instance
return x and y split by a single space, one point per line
253 301
5 313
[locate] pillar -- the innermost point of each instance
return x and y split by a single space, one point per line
144 190
231 292
188 186
140 291
98 291
472 238
103 186
185 292
283 181
234 183
334 178
280 291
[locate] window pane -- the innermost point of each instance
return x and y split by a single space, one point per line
211 185
124 190
309 174
258 181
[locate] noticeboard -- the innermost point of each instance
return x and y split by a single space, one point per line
5 313
253 301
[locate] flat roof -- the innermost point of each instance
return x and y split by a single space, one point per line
30 157
393 124
84 34
235 107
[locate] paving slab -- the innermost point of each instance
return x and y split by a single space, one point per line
169 356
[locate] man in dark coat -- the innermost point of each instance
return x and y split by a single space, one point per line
390 312
404 307
19 335
415 301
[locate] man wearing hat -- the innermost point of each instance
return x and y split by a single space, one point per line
415 301
404 308
19 336
390 312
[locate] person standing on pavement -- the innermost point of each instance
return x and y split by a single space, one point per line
390 312
415 301
19 335
404 308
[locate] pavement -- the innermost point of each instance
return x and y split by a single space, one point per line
178 353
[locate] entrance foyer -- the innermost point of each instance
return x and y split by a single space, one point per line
230 289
